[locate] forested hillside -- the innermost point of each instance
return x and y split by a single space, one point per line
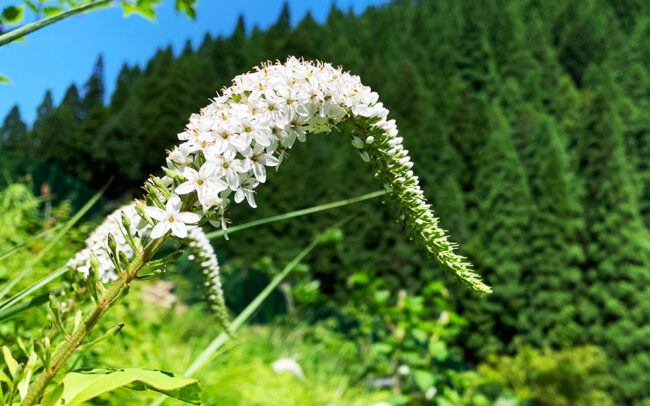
529 125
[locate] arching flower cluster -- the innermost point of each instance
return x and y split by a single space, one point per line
227 147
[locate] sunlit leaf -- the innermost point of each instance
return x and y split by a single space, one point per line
188 7
80 386
31 5
50 11
11 363
4 79
52 397
423 379
12 14
438 350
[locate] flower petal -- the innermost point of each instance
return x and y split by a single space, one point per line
154 212
260 172
188 218
160 229
185 187
239 195
173 204
250 198
179 229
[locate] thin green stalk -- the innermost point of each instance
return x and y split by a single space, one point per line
298 213
243 317
37 301
51 244
72 343
37 25
15 299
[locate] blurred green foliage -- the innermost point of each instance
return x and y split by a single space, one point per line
402 340
575 377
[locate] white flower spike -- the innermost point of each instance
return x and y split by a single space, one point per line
253 123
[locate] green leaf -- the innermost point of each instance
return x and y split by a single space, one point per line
82 385
12 14
381 349
188 7
10 361
4 79
381 296
52 397
31 5
142 7
23 385
419 335
423 379
438 350
50 11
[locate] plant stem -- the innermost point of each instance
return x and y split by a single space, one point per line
29 28
72 343
298 213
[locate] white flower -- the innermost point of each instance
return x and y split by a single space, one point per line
288 365
245 191
226 137
403 370
430 393
228 165
205 181
171 218
198 134
257 159
254 129
180 154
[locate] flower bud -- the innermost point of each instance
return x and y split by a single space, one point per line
126 222
357 143
112 244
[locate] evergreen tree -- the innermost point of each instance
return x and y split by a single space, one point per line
40 131
500 242
549 316
614 310
13 133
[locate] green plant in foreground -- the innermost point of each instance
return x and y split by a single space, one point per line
574 377
225 151
402 338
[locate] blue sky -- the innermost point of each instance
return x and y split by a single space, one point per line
65 52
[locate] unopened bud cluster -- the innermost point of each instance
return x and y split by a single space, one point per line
203 253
